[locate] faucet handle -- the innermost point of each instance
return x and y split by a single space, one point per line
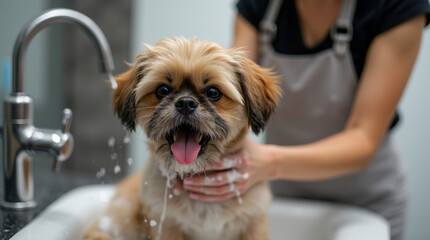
66 150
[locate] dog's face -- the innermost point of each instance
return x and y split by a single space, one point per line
194 100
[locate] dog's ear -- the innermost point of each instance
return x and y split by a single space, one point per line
260 90
124 98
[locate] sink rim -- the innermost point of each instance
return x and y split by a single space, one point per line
342 220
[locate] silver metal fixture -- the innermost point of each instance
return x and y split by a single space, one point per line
21 140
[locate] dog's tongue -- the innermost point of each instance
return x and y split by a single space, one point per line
186 147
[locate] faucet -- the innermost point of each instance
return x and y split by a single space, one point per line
21 139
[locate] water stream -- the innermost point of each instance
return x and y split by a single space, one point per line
170 178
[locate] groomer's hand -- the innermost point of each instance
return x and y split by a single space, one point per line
231 177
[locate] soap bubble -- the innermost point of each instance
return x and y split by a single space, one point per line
153 223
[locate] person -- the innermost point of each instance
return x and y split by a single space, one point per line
345 65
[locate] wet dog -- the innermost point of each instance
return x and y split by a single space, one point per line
196 101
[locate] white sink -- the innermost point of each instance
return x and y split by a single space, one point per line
67 218
315 220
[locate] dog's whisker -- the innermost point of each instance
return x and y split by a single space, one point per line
231 116
143 116
159 148
138 109
204 171
216 148
145 123
142 108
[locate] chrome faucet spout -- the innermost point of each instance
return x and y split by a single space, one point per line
49 18
21 140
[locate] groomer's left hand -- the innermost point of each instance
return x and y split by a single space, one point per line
231 177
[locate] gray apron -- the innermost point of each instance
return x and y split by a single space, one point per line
319 91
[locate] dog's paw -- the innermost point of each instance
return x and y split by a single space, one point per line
94 234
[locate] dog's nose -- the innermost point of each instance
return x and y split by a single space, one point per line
186 105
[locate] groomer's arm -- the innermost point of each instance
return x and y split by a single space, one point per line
246 37
389 63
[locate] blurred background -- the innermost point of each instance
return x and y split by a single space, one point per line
61 69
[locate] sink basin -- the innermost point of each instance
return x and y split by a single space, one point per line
316 220
292 219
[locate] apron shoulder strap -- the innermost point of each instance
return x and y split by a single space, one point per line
268 26
342 31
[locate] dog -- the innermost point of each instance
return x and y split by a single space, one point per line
196 101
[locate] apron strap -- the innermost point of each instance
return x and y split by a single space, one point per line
268 26
342 31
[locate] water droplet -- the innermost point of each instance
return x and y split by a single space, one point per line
117 169
101 173
113 156
126 139
111 142
130 161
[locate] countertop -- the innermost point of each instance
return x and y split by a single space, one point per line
49 186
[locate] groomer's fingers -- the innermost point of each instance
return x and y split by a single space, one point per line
210 198
218 190
217 178
216 198
227 162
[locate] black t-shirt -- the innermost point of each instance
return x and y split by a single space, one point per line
371 18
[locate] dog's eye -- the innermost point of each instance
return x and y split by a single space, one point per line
213 93
162 91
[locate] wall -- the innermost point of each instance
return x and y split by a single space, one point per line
213 20
413 138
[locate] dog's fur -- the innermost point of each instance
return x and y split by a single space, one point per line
189 68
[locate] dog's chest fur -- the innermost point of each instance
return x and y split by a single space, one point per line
201 220
206 221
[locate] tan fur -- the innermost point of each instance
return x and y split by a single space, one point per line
250 94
